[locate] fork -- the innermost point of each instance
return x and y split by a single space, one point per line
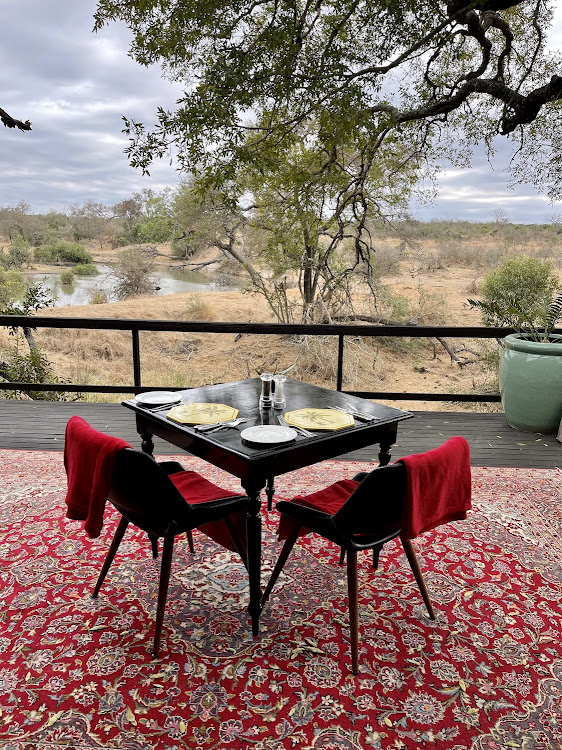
219 425
282 421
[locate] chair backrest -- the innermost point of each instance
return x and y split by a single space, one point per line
377 504
143 493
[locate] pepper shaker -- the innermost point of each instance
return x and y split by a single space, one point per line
266 398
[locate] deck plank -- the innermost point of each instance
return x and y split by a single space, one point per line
39 425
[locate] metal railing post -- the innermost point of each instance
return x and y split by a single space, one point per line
136 357
339 384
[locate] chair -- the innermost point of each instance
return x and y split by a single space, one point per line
368 511
164 500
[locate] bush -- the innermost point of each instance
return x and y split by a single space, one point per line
198 309
524 283
63 252
67 277
99 297
12 287
30 368
18 255
86 269
133 273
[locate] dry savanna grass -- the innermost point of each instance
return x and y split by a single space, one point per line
435 278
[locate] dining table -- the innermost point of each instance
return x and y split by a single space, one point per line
256 465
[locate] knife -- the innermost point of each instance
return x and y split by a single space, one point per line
357 414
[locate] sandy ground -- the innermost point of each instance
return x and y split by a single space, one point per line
417 365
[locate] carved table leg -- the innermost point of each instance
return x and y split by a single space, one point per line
384 453
147 444
270 491
253 526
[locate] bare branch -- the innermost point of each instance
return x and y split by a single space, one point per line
11 122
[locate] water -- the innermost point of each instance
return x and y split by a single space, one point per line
170 281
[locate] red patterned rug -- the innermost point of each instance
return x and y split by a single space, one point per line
77 672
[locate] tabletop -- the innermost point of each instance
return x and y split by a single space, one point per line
227 450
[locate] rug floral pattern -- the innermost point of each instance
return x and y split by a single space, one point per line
77 673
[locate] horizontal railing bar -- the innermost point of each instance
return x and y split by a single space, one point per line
321 329
341 330
73 387
481 397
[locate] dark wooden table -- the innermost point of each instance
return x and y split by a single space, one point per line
256 467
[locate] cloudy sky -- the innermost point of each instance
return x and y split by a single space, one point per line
75 85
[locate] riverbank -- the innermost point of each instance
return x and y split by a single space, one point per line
176 360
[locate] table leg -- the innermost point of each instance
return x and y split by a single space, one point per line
253 527
270 491
147 444
384 453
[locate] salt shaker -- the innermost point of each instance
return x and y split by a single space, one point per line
266 398
279 400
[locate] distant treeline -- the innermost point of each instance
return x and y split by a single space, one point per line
173 216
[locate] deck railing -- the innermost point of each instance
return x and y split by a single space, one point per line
341 331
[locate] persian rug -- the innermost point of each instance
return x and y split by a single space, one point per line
77 673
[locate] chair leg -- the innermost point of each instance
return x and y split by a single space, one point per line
154 545
352 594
189 535
285 552
413 560
115 542
342 556
238 543
165 568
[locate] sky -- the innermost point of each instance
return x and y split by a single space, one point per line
75 86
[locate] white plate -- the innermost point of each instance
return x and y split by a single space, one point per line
158 398
268 434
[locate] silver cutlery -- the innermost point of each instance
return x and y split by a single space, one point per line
163 407
219 425
357 414
282 421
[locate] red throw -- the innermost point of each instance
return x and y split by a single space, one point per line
89 460
438 487
196 489
329 500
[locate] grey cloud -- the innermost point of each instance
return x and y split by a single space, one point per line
75 85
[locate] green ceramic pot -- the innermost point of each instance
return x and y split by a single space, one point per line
531 383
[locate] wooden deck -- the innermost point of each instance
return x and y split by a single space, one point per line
39 425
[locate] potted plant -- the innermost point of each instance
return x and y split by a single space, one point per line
522 294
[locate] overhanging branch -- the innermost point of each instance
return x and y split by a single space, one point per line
11 122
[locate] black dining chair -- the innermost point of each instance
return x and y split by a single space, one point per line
164 500
370 517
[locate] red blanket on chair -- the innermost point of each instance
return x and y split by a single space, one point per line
438 487
89 460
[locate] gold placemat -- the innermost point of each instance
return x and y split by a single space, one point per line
319 419
202 413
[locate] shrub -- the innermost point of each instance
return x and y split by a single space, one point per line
86 269
518 292
63 252
198 309
99 297
12 287
18 255
133 273
67 277
30 368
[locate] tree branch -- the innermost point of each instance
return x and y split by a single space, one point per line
11 122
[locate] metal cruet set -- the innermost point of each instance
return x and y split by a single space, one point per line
272 391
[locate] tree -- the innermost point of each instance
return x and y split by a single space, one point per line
367 69
323 116
133 273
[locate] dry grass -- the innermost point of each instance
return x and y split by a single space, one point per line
435 294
